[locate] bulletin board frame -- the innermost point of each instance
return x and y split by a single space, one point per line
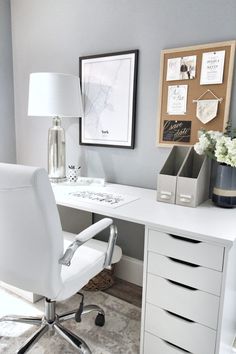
188 120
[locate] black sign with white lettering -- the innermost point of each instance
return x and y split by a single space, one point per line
177 130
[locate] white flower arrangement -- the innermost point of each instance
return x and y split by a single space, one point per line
217 146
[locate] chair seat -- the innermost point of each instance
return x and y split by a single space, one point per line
81 270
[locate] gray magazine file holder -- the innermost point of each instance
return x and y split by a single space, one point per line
167 178
193 180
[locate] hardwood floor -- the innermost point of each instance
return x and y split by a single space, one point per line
126 291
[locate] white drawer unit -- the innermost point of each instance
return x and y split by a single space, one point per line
155 345
187 335
186 249
188 302
190 274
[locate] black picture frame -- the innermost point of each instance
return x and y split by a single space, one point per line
109 90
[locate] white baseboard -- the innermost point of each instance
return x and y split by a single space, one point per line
130 269
22 293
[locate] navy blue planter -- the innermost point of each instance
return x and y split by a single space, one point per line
224 191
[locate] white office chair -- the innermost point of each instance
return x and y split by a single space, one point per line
32 256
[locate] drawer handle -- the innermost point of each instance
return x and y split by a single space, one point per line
181 238
165 195
175 346
184 262
181 317
182 285
184 198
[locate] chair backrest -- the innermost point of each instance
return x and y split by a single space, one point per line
31 240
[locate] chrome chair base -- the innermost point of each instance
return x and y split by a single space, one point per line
52 322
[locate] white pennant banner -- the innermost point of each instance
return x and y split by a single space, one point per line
207 110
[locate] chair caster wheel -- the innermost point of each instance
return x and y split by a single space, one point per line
100 320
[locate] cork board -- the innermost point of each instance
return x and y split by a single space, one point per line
188 121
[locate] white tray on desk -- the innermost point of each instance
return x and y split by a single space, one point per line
95 194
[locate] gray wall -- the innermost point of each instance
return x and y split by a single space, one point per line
50 35
7 124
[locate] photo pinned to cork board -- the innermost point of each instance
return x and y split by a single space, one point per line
194 94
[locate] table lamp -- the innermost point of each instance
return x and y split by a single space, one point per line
55 95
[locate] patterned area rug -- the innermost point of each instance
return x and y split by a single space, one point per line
120 335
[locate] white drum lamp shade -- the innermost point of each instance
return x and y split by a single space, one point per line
55 95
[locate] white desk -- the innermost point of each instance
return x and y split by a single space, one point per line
210 271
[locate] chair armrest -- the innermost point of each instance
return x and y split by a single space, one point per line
86 235
93 230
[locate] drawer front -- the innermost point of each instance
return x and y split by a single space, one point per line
193 251
155 345
193 304
190 336
193 275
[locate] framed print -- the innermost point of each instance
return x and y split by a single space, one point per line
186 75
109 86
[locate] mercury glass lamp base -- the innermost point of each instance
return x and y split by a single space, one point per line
57 179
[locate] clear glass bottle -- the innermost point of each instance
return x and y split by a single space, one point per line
56 152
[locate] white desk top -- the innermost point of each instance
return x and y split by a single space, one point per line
204 222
